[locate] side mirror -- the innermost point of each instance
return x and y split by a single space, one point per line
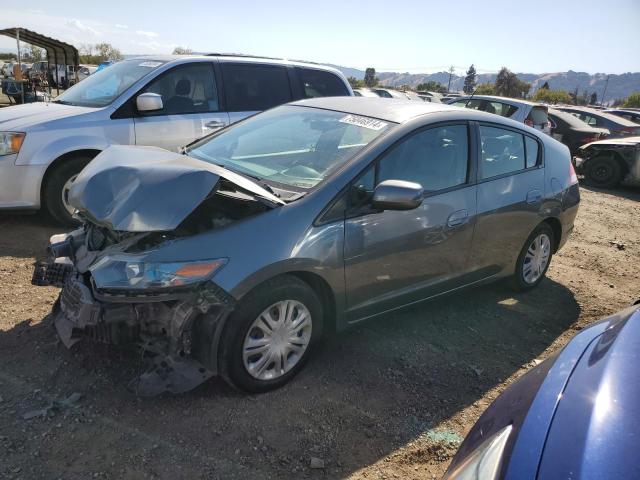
397 195
149 102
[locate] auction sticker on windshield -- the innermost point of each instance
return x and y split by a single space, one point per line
370 123
150 64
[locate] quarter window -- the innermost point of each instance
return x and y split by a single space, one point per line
251 88
499 108
436 158
503 151
186 89
318 83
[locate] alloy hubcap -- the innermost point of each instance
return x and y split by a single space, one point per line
277 340
536 258
65 194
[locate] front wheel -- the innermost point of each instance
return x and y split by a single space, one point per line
270 335
56 191
534 259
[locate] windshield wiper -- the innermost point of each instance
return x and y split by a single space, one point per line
62 102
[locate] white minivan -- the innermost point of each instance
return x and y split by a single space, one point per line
162 101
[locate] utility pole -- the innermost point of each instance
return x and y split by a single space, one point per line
451 70
19 66
605 91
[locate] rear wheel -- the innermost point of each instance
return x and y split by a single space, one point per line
56 190
270 335
604 172
534 259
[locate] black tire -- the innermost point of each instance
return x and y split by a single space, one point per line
52 194
603 172
285 287
518 281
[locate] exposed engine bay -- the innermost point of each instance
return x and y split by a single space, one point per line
111 294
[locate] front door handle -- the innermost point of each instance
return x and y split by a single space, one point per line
534 196
214 124
457 218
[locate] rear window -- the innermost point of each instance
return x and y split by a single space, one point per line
473 104
250 87
499 108
319 83
538 115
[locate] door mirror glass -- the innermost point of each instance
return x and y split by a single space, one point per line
149 102
397 195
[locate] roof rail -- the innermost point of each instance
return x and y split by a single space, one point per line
246 55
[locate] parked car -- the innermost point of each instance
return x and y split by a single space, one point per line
164 101
529 113
606 163
617 126
388 93
234 257
572 131
631 115
575 415
364 92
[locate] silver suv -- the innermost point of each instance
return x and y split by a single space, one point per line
161 101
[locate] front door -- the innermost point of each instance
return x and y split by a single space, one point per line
190 108
394 258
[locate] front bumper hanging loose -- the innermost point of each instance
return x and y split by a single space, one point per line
162 325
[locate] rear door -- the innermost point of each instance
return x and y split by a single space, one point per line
250 88
191 107
510 194
394 258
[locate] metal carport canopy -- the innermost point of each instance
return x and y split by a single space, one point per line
55 48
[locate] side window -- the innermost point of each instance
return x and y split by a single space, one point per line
531 146
473 104
318 83
502 151
186 89
499 108
361 190
436 158
250 87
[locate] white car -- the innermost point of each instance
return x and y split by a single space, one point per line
165 102
529 113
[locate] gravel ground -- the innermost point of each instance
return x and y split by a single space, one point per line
389 399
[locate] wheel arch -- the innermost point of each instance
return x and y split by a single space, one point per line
89 152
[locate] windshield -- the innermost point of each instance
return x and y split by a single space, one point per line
294 146
105 86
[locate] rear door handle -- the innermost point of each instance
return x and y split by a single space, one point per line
457 218
534 196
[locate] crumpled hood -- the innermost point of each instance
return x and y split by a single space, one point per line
146 189
19 117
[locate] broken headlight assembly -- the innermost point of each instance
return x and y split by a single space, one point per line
10 142
128 272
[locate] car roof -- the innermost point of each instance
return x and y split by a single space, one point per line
238 58
600 113
512 101
391 110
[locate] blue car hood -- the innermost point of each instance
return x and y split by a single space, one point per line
147 189
595 431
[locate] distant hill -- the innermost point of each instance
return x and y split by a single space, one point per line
620 86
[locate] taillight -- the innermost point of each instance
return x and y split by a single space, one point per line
586 140
573 178
630 131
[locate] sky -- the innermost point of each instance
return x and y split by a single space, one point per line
536 36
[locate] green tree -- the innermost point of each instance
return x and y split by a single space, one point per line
593 99
545 85
34 54
431 86
470 80
355 83
509 85
632 101
370 79
100 52
486 89
545 95
182 51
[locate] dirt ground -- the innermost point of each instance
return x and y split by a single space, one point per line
389 399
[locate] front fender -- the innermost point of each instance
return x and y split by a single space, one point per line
46 153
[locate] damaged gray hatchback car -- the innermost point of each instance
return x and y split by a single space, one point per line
234 257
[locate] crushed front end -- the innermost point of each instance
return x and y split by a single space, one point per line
110 294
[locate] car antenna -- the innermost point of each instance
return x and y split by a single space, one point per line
471 97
